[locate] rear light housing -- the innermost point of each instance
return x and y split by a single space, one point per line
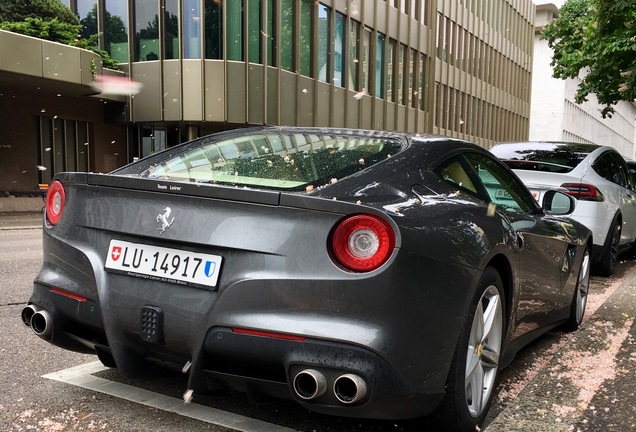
55 202
362 243
583 191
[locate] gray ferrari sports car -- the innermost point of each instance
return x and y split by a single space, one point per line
359 273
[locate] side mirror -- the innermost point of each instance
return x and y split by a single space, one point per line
558 203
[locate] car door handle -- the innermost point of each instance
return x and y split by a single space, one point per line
520 240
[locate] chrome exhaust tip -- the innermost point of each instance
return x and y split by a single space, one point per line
349 388
27 314
310 384
42 323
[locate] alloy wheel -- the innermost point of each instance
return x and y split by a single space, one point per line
484 349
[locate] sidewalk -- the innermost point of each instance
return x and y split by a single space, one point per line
19 220
588 384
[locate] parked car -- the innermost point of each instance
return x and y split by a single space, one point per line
359 273
596 175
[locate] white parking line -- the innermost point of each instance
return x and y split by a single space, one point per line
82 376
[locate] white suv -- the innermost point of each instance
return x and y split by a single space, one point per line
597 176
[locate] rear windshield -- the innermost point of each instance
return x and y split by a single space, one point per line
274 161
559 158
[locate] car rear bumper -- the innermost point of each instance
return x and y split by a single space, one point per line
228 359
375 328
262 365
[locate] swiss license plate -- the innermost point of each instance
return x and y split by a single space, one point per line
163 264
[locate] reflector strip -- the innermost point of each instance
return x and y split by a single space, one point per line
68 294
269 334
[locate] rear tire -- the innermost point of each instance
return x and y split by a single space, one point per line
579 300
608 262
475 366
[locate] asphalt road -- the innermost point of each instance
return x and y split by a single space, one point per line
583 381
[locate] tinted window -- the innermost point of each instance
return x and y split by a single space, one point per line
306 160
454 172
624 171
553 157
503 188
489 180
611 167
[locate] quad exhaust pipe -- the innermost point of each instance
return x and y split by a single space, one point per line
28 312
39 320
310 384
349 388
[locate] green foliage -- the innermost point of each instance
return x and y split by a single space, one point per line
596 39
12 10
19 10
51 29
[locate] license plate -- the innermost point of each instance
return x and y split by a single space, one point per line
163 264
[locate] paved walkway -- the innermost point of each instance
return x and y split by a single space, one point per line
587 383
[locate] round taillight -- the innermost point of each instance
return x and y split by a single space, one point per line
362 243
55 200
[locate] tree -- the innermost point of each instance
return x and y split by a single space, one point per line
596 39
14 11
51 29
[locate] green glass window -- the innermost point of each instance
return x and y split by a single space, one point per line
146 31
287 34
213 30
234 33
87 14
338 51
412 73
116 29
354 61
379 66
271 32
254 31
324 34
171 24
306 31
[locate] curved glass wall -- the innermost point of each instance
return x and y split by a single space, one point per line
411 64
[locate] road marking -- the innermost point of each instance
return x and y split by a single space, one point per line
82 376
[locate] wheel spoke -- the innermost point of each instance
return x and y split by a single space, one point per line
583 287
490 316
475 389
490 357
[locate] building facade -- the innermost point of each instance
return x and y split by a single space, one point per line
554 114
459 68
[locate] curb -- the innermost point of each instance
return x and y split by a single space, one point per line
10 221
